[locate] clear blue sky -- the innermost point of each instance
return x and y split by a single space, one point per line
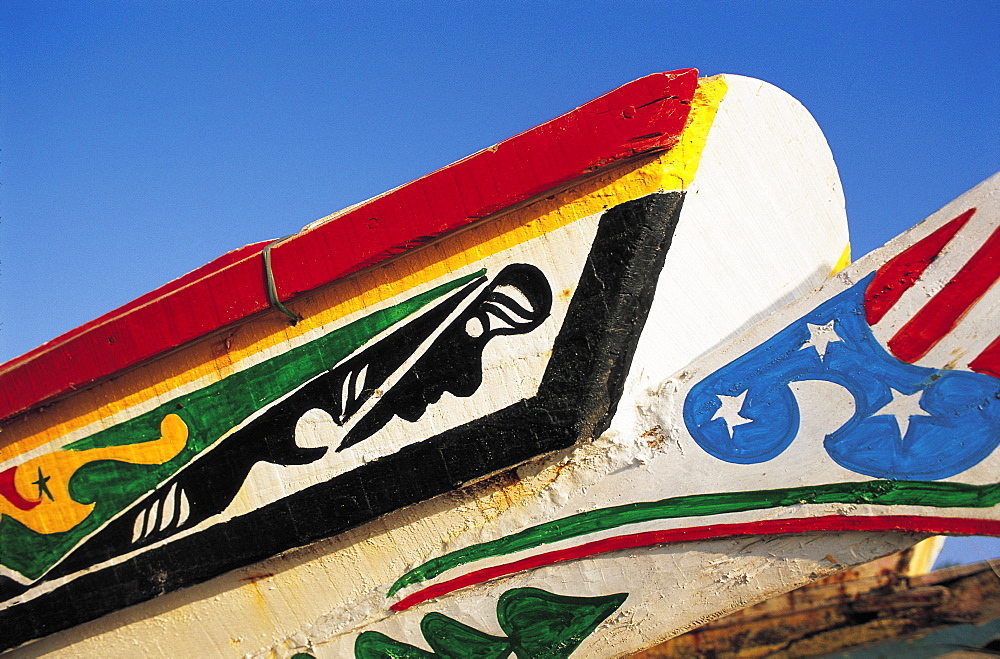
141 139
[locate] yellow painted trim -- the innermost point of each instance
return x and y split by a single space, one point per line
681 163
219 356
843 261
923 555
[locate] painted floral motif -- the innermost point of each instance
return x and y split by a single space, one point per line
538 625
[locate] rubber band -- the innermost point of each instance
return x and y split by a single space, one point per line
272 290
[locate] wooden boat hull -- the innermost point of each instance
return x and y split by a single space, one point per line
494 429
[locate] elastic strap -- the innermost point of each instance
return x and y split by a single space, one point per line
272 290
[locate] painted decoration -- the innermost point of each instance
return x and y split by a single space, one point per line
912 429
907 417
363 413
536 623
913 448
450 363
605 410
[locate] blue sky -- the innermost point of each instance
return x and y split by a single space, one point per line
139 140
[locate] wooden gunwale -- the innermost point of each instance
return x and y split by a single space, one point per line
641 117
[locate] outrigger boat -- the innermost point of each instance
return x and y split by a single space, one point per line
572 395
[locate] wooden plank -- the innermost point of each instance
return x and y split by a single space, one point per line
868 606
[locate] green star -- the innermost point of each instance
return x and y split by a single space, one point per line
43 487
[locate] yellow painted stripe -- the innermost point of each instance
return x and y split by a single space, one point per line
680 163
843 261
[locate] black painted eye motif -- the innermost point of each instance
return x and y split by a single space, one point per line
474 327
507 310
517 301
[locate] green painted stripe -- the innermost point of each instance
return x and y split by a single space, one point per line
879 493
209 412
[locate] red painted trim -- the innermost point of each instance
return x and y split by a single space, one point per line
9 491
902 271
833 523
943 312
988 361
644 116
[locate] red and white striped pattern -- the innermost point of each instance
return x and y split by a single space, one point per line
953 325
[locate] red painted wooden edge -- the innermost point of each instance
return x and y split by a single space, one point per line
833 523
644 116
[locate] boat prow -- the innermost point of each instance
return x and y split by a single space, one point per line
585 389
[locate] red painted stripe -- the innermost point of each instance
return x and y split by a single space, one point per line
902 271
9 492
939 316
644 116
988 361
834 523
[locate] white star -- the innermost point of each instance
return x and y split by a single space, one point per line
820 336
730 411
903 407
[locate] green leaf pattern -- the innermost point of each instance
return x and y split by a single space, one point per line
538 624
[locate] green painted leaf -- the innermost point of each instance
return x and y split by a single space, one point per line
543 625
453 640
373 645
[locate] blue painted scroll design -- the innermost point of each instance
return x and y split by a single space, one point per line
910 422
